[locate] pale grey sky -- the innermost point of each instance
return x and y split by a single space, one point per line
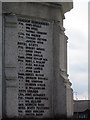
76 24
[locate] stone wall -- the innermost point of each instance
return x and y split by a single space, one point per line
42 24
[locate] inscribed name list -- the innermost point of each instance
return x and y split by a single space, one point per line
34 67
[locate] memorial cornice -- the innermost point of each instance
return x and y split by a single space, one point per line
65 6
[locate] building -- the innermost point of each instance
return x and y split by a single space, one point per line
81 108
34 79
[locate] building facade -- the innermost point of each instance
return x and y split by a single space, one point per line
34 79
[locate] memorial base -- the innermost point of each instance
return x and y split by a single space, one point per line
56 118
48 118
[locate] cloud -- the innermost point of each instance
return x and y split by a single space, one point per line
76 25
83 96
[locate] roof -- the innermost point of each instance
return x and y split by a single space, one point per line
81 105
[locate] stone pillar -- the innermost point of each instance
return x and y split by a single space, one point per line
35 77
63 89
0 60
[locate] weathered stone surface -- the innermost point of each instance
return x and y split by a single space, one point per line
0 60
35 61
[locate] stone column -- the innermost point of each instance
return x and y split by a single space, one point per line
63 88
63 72
0 60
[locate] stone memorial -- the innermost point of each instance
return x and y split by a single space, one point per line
34 79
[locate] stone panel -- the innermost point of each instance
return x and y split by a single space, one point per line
35 65
11 101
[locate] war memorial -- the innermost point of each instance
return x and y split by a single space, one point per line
33 61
